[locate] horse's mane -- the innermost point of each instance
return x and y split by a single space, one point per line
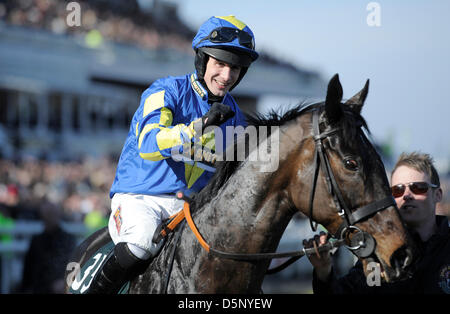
278 118
225 169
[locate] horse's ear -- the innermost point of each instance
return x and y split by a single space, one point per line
333 108
356 102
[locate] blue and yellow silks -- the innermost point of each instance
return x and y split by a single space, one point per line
162 124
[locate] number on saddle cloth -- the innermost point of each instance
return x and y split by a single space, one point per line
88 260
93 252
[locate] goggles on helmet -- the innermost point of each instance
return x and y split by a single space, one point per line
228 34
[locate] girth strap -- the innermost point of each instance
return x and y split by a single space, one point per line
167 227
187 215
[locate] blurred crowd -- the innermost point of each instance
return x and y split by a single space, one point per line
118 21
79 188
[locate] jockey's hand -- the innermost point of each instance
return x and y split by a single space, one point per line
217 114
203 154
321 262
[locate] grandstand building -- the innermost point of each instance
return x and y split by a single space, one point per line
65 95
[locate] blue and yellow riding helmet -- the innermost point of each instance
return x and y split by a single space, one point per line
227 39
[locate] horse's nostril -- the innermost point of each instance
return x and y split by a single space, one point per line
401 259
409 258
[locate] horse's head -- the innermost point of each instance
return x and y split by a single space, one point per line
346 182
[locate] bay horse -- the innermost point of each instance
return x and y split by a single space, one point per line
327 170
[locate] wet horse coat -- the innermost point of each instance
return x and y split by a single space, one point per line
246 210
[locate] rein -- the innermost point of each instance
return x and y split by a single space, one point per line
184 216
362 244
247 256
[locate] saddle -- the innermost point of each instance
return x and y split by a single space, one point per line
168 225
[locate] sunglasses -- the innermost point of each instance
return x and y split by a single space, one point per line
228 34
415 187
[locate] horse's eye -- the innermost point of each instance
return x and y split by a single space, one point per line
351 164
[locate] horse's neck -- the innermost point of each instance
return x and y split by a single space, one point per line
237 216
248 215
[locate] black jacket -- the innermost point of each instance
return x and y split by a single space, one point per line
45 261
431 275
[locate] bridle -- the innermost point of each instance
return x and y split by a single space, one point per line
362 243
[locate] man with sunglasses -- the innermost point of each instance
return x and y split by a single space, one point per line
416 188
173 117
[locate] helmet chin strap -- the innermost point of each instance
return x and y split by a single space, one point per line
211 97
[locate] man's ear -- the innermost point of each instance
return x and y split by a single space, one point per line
438 195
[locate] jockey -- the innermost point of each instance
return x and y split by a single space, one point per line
172 116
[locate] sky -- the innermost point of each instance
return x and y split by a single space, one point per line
405 53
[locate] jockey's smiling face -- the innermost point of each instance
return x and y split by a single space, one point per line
220 76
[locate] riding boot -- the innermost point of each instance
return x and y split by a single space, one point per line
120 267
109 279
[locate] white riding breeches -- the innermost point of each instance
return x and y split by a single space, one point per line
135 217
